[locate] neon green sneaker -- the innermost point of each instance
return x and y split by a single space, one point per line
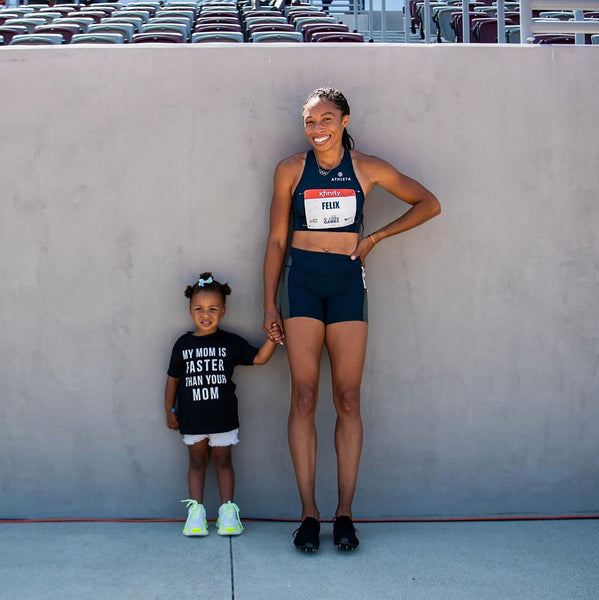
228 522
196 523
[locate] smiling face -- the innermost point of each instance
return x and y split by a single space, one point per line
206 310
324 124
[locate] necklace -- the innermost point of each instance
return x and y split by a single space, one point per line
325 172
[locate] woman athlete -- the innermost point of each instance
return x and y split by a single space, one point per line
323 295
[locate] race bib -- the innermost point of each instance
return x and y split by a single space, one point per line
326 209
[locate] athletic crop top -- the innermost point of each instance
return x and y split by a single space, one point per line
328 202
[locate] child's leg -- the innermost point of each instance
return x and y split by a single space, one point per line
223 463
198 463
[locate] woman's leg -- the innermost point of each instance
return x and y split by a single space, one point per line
196 476
304 338
225 476
346 344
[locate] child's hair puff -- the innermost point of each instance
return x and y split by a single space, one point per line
207 283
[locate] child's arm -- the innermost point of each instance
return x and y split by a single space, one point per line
265 352
170 395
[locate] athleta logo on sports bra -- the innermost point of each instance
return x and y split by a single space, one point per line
340 177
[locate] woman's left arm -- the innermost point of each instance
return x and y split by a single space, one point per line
375 171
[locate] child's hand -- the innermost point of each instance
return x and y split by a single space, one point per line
172 422
275 334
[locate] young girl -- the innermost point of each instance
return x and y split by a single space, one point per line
199 381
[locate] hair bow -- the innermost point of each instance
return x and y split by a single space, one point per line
201 281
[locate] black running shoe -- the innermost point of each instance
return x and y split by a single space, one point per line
307 535
344 534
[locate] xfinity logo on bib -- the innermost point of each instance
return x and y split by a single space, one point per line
340 177
328 193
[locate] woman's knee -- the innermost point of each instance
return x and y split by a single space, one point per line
347 402
304 399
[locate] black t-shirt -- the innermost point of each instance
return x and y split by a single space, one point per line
206 393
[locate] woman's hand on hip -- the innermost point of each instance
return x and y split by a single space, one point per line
365 245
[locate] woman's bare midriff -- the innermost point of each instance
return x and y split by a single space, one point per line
342 242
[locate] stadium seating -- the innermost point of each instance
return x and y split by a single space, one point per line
310 30
204 37
547 38
125 29
96 16
179 20
149 8
29 24
9 31
301 22
14 13
217 28
83 22
6 16
419 8
442 17
67 31
98 38
277 36
47 17
274 23
37 39
167 37
167 27
456 24
143 15
484 30
135 21
336 37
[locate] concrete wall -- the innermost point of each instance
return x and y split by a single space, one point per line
127 171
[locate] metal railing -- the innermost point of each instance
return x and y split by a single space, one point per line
578 27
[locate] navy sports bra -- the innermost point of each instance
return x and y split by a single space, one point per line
332 202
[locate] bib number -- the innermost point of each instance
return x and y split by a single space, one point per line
327 209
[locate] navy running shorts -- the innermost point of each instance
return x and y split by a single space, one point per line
324 286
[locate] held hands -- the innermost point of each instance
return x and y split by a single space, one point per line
275 334
273 326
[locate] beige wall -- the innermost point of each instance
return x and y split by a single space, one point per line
125 171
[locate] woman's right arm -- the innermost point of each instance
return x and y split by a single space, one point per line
276 244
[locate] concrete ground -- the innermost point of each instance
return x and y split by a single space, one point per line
499 560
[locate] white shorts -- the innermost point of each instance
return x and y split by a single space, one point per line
226 438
